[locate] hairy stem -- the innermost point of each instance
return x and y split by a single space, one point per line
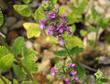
68 52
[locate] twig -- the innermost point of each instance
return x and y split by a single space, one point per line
87 67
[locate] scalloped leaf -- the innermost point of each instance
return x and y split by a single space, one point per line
33 29
23 10
6 59
29 60
18 45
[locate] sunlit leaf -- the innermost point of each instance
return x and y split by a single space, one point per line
33 29
62 10
23 10
7 81
39 14
51 39
6 62
54 1
27 1
15 81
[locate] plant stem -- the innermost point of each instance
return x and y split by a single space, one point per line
68 52
1 77
87 67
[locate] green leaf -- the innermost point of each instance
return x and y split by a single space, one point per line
29 82
80 70
61 53
54 1
8 81
19 72
6 62
15 81
92 29
39 14
95 15
18 45
76 41
72 41
51 39
1 18
33 29
27 1
77 11
81 7
3 51
23 10
72 51
103 22
6 59
72 17
76 50
99 74
29 56
83 32
62 10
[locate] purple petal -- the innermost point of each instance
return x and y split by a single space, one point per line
60 28
66 80
73 73
71 65
50 32
76 78
51 29
68 28
61 40
42 23
52 15
53 71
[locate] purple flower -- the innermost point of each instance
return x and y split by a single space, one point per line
42 23
60 28
52 15
66 80
76 78
53 71
73 73
63 17
61 40
51 29
71 65
64 20
68 28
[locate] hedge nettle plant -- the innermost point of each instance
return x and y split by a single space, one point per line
58 27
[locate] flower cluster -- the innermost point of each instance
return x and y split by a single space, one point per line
70 74
57 25
53 71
